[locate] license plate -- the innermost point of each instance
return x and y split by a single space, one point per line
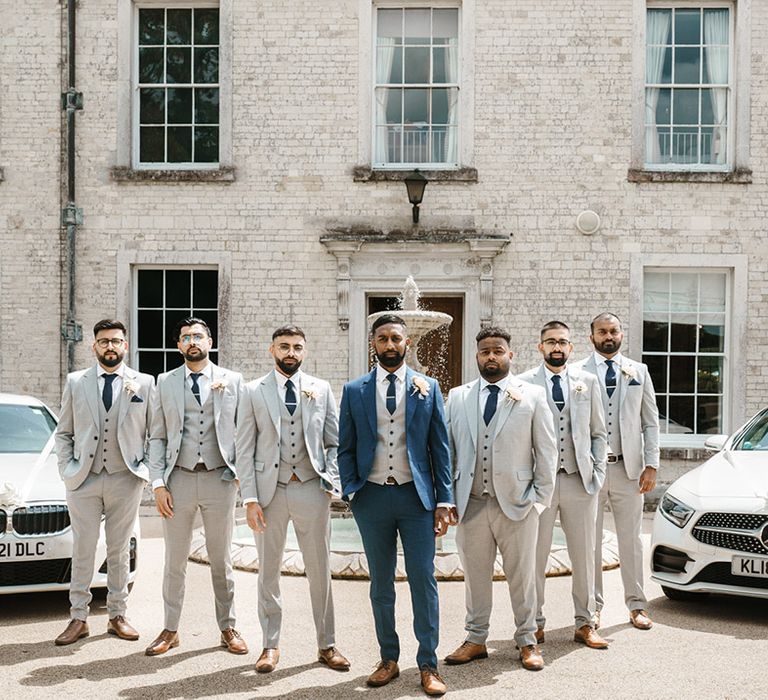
20 551
749 566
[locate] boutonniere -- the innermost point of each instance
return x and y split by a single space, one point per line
513 394
629 372
311 394
421 386
130 387
580 387
220 386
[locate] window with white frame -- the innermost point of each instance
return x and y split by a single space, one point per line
416 87
688 78
685 345
176 80
164 296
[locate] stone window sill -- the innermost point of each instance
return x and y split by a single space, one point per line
364 173
741 176
125 174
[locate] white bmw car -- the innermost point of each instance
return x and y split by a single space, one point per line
710 532
35 533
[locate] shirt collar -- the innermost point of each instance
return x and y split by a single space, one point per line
120 371
601 358
382 372
549 373
281 379
207 371
502 384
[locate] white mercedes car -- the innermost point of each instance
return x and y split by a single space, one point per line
710 532
35 533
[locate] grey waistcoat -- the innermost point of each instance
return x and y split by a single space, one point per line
294 458
391 457
563 434
611 407
482 482
198 442
108 455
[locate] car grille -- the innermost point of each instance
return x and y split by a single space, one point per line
27 573
40 520
720 572
740 532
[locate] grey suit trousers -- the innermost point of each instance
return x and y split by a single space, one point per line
578 511
117 497
215 498
483 528
626 502
308 506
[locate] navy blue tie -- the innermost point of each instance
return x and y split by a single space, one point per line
290 397
491 403
610 378
391 393
557 392
106 394
196 386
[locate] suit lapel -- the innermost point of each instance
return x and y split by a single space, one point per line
306 403
215 394
180 382
368 392
572 399
128 375
471 409
411 398
624 379
91 388
506 405
268 389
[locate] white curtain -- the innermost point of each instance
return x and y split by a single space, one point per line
452 76
716 39
657 31
384 57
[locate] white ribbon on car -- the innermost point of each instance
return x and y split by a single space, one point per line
31 479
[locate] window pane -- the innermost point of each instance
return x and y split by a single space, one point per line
712 287
152 363
180 105
685 144
179 29
655 336
682 374
416 106
177 291
685 291
416 144
658 64
150 329
663 106
205 289
390 24
206 105
151 26
658 28
687 26
179 144
206 144
150 288
657 368
708 418
152 144
417 26
685 104
179 65
710 375
212 319
151 65
207 26
440 106
688 65
683 335
416 65
389 106
716 65
389 64
711 338
445 25
151 106
681 412
207 65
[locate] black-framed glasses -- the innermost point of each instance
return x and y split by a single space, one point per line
551 343
104 343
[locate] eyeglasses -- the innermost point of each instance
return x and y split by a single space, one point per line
106 342
551 343
195 337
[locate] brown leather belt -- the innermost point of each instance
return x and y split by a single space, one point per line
614 458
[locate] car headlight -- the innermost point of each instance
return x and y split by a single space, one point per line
675 511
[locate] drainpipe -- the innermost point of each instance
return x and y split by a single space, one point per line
71 215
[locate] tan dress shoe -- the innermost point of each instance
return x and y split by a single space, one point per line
586 635
467 652
531 658
165 640
267 662
431 681
640 619
120 627
76 629
333 658
539 635
231 639
384 673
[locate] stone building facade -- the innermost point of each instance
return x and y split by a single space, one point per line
246 160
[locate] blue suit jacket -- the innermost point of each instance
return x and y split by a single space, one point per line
426 438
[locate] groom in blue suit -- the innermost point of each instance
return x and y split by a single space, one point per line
394 464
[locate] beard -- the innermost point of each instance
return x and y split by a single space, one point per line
390 359
191 356
111 360
558 361
289 369
608 347
492 372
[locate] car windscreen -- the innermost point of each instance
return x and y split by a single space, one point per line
24 428
755 435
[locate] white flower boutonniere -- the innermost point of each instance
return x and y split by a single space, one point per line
130 387
220 386
580 387
421 386
629 372
311 394
513 394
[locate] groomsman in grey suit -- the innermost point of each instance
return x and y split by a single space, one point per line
192 467
630 408
287 441
104 473
577 411
504 457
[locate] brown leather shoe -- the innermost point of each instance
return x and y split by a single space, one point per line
640 619
531 658
539 635
596 619
165 640
120 627
467 652
431 681
333 658
267 662
586 635
231 639
76 629
384 673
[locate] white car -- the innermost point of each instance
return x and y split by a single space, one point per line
710 532
35 533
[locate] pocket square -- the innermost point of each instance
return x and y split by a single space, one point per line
136 399
634 382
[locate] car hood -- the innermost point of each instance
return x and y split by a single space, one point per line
26 478
727 476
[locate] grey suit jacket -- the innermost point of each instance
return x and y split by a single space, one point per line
638 414
524 447
590 437
258 435
167 424
77 433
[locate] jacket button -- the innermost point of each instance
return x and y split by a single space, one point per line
276 466
95 437
90 456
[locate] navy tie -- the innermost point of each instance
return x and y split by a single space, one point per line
491 403
106 394
557 392
196 386
290 397
610 378
391 393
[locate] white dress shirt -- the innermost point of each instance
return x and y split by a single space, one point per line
204 381
602 368
484 393
563 382
117 383
382 383
281 379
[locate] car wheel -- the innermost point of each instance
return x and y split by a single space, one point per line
675 594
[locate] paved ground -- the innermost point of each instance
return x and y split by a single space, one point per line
711 649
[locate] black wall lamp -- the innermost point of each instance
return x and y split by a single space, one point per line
415 184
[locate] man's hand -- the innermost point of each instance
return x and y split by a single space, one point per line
255 516
647 480
164 502
442 521
454 515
